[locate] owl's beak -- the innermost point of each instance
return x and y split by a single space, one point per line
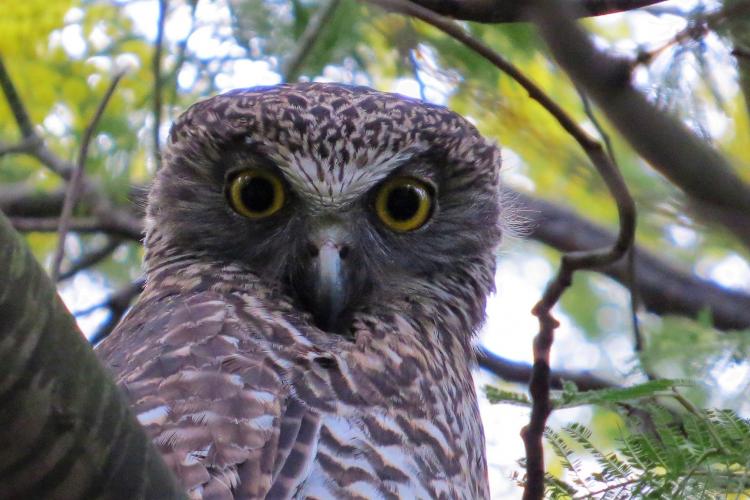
330 290
324 280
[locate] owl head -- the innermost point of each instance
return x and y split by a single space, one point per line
341 196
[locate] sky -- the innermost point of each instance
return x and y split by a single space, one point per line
521 276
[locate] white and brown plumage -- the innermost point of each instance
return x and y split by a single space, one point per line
315 348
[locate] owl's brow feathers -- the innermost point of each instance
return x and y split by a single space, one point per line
335 141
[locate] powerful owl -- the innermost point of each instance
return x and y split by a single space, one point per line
318 258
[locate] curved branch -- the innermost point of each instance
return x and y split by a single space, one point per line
539 386
688 162
508 11
662 288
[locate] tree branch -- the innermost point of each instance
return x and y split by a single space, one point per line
662 140
25 146
508 11
662 288
58 400
516 371
71 196
539 386
16 105
130 229
25 200
293 63
91 259
118 304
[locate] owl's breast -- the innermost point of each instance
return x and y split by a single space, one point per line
389 426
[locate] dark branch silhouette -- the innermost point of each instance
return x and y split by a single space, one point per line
517 371
508 11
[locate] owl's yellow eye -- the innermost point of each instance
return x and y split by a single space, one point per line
256 193
403 204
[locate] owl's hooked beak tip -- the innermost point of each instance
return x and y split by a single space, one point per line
329 283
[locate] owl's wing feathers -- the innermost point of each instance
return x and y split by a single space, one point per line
212 397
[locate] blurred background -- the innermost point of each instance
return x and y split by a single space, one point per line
692 271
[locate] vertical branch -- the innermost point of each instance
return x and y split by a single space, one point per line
76 179
539 386
631 280
156 67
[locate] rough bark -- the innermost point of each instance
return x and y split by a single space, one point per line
66 428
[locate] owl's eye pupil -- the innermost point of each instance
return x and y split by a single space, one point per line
258 194
403 203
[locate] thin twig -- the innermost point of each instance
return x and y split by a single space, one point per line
696 29
39 150
603 135
292 65
634 303
631 278
156 68
535 92
91 259
516 371
118 304
74 185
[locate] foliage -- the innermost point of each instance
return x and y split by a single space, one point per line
698 456
571 397
660 453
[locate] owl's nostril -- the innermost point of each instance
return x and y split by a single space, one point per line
343 251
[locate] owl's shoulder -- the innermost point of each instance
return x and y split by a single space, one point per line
211 390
